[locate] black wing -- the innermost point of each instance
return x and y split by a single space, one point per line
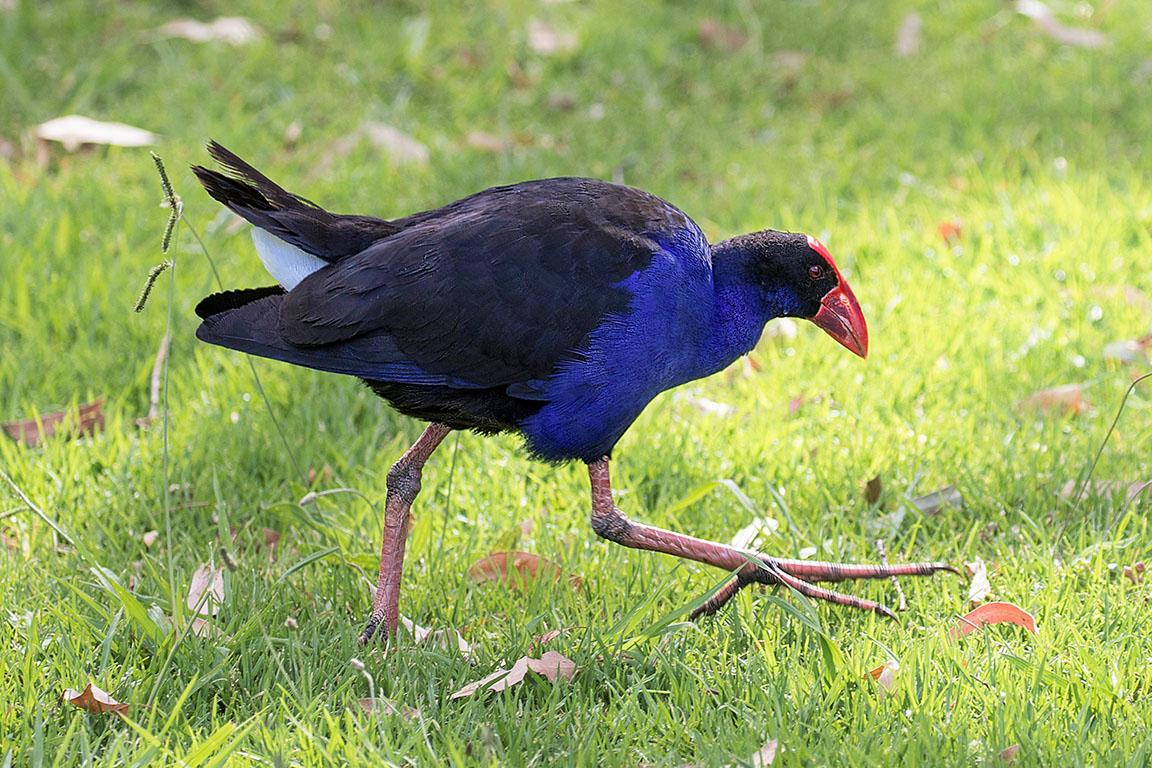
496 289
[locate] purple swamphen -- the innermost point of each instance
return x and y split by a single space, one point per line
557 309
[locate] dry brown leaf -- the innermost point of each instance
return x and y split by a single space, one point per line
718 36
440 638
1067 399
909 35
486 142
980 587
1047 22
202 627
765 756
545 638
234 30
397 145
548 41
271 539
387 707
993 613
885 676
518 569
149 538
1009 753
931 503
206 592
950 230
94 701
1071 489
551 665
87 420
1129 351
872 490
75 131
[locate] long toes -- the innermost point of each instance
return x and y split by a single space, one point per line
812 570
814 592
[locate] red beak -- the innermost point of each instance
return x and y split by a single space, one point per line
841 318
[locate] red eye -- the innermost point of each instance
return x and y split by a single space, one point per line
815 271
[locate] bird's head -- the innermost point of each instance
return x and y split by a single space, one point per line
799 279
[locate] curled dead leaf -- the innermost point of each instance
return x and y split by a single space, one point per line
718 36
872 490
950 230
993 613
765 756
440 638
1009 753
88 419
885 676
234 30
94 701
552 666
1071 489
149 538
1067 399
980 587
75 131
546 40
931 503
388 708
519 570
206 592
909 35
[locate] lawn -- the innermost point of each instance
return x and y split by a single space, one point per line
1029 154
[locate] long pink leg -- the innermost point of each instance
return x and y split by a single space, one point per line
403 485
610 523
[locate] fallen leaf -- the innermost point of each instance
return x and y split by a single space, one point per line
486 142
1107 488
755 532
387 707
88 420
94 700
705 406
206 592
765 756
718 36
397 145
885 676
271 539
1067 399
234 30
202 627
149 538
950 230
1129 351
909 35
440 638
980 587
1009 753
872 490
547 41
518 569
1047 22
545 638
551 666
931 503
75 131
993 613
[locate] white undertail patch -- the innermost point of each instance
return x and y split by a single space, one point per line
284 261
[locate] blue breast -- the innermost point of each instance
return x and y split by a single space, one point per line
667 337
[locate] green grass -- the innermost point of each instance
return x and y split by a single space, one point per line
1041 152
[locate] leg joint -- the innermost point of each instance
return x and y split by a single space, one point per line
611 525
403 480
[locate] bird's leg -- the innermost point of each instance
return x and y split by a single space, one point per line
610 523
403 485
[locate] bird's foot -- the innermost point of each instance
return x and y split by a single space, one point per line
797 575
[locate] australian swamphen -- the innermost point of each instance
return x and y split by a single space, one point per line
557 309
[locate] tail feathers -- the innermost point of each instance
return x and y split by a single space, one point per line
298 222
249 321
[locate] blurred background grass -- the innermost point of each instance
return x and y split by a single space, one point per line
796 115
